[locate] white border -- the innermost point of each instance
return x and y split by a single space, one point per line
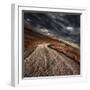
16 68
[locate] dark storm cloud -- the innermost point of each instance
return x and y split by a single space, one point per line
60 25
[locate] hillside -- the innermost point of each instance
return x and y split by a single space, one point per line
46 56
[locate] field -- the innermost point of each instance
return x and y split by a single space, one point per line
47 56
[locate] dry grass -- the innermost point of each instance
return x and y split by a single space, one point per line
58 58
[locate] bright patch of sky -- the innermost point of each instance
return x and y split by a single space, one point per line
70 28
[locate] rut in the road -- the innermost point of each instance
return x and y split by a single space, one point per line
45 61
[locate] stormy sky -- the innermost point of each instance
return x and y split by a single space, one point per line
55 24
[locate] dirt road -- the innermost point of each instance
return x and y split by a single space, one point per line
45 61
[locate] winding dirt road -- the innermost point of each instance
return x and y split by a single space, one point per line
45 61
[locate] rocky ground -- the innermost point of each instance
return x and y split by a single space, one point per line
45 56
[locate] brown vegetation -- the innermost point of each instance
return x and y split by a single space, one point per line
58 58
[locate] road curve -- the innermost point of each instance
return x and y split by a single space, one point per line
45 61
